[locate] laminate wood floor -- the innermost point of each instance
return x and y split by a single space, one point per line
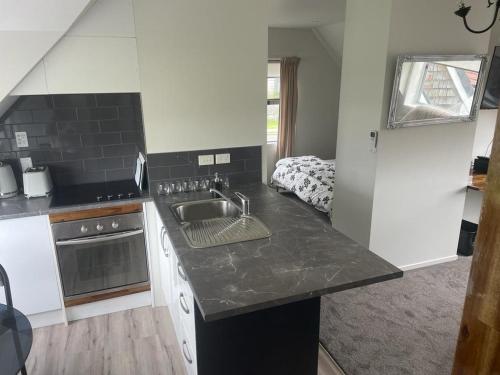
132 342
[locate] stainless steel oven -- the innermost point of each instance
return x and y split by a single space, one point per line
101 255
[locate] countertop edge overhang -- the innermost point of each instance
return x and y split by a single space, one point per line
219 286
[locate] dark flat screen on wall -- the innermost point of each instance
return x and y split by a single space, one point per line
491 96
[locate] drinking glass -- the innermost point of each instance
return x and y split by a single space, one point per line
192 185
203 184
178 187
196 185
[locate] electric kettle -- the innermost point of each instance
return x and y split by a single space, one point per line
8 186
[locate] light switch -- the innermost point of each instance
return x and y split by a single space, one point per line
205 159
222 158
22 139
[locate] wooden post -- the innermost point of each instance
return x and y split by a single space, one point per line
478 346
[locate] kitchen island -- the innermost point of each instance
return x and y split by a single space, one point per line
257 302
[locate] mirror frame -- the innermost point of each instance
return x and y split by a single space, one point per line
394 124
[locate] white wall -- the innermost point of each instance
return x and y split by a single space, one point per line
422 172
318 83
203 73
485 129
361 97
473 204
332 36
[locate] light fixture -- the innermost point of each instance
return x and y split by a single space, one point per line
464 10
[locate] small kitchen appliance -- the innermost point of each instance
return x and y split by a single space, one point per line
8 185
37 182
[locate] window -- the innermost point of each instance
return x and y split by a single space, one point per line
273 101
448 87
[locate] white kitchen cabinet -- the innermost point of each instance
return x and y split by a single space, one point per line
27 254
175 290
165 268
35 83
98 54
72 67
92 65
183 304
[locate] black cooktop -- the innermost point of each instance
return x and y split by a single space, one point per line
94 193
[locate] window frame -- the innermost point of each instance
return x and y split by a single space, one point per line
274 101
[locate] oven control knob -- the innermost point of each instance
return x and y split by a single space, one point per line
99 227
84 229
115 225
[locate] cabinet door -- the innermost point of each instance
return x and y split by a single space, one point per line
71 65
174 307
165 268
27 254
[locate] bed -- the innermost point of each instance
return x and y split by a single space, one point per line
309 177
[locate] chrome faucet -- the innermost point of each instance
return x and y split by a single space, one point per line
245 201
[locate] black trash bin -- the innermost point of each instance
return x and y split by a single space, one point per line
467 239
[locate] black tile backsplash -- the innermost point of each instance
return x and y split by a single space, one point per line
83 138
245 165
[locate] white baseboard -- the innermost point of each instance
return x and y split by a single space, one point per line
48 318
427 263
109 306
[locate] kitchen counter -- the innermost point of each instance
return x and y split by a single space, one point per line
304 258
17 207
478 182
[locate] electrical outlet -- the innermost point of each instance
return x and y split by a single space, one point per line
22 139
222 158
205 160
26 163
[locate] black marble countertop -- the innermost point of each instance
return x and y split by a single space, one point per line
19 206
305 257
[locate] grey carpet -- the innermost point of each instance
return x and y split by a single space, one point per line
404 326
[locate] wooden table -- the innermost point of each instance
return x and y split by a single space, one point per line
477 182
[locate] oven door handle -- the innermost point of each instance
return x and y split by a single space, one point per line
101 238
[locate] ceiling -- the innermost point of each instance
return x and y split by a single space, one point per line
305 13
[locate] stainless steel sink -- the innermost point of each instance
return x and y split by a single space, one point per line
215 222
204 210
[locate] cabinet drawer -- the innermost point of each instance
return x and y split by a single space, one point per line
30 263
166 241
165 268
188 351
185 309
181 276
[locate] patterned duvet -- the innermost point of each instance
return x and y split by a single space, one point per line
309 177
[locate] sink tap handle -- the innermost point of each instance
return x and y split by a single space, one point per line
245 203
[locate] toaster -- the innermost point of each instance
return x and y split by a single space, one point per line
37 182
8 185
